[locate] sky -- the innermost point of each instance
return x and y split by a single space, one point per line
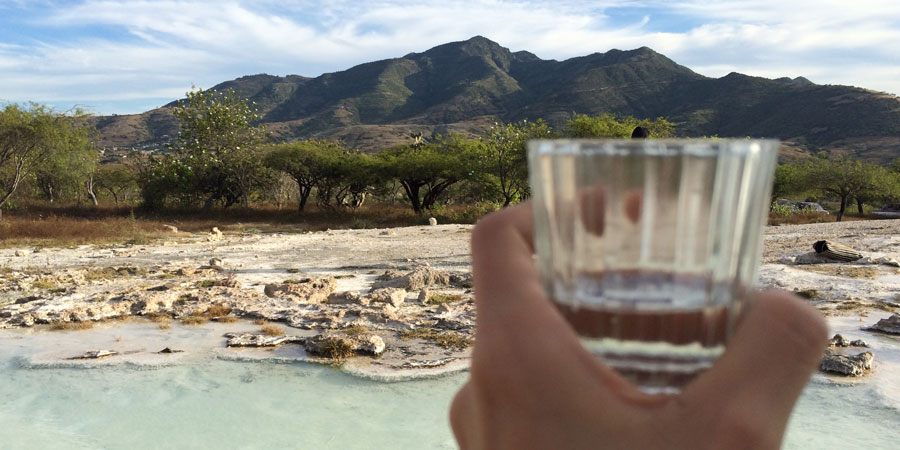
125 56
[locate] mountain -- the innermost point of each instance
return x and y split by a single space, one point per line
465 86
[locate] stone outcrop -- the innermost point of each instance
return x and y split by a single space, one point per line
849 366
340 346
419 278
840 341
96 354
259 340
392 296
890 325
309 290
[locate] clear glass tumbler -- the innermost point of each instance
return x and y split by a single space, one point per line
650 247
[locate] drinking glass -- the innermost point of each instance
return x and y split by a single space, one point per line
649 248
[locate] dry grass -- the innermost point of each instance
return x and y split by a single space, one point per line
193 319
260 321
338 349
227 319
71 326
807 293
440 299
42 224
217 311
445 339
164 326
43 284
272 330
841 270
355 330
159 316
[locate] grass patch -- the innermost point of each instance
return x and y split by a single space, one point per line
159 316
260 321
43 284
271 330
338 349
70 326
227 319
355 330
841 270
206 283
193 319
57 290
164 326
849 306
445 339
293 271
441 299
807 293
217 311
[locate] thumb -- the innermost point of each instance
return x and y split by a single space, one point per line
777 346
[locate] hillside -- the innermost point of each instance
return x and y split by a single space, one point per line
464 86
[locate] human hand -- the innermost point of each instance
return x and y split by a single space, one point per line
533 386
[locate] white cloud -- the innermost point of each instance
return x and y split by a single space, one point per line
165 46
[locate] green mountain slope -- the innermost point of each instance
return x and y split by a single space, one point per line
464 86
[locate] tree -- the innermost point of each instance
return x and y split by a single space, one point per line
30 135
216 158
846 178
609 126
307 162
789 179
118 180
427 170
504 160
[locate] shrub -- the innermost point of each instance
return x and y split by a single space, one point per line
272 330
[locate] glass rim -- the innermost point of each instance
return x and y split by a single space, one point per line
652 147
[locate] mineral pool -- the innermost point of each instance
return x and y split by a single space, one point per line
203 400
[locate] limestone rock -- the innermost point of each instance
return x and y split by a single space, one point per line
310 290
259 340
215 263
421 277
347 298
340 346
432 221
214 235
393 296
170 228
890 325
20 253
850 366
423 296
96 354
840 341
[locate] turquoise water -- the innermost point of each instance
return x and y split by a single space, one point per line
208 402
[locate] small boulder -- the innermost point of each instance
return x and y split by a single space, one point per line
96 354
347 298
432 221
310 290
392 296
340 346
890 325
849 366
170 228
259 340
214 235
421 277
21 253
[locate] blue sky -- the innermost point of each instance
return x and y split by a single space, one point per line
124 56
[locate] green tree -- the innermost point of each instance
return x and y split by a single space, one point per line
789 179
427 170
308 162
33 135
846 178
504 161
118 180
610 126
217 157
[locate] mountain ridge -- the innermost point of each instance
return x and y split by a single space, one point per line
464 86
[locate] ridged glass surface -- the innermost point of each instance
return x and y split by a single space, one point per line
650 242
